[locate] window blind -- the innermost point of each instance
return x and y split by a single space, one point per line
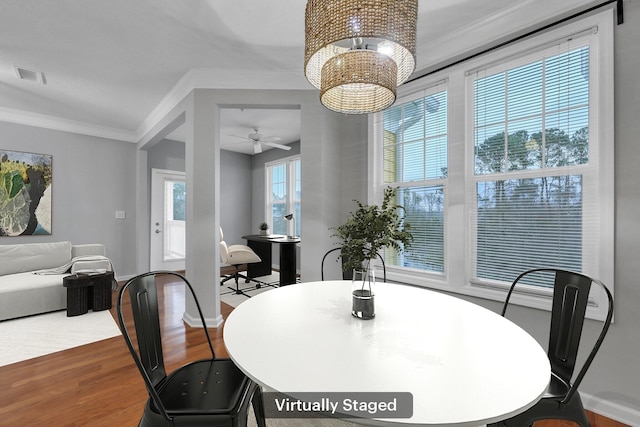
415 160
529 179
531 130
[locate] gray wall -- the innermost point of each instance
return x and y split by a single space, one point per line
167 155
353 157
92 178
236 203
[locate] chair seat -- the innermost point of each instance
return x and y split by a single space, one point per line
204 387
557 389
241 254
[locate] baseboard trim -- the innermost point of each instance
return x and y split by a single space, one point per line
125 277
627 414
195 322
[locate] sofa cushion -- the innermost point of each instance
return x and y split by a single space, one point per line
28 280
24 294
33 256
87 249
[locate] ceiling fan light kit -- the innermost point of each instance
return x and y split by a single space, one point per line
358 52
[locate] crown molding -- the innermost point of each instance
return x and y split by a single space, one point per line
195 78
65 125
499 27
207 78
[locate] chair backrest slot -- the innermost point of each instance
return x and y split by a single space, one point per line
567 322
570 299
144 306
148 341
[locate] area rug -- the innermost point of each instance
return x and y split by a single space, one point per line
228 291
35 336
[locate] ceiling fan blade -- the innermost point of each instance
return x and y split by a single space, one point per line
280 146
270 138
241 137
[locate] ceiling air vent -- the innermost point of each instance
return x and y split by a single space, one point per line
30 76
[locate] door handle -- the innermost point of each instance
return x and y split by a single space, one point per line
157 231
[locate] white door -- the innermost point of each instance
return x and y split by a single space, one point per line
168 206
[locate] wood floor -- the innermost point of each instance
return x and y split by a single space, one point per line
99 385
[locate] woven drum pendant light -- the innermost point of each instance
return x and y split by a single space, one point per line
358 52
358 82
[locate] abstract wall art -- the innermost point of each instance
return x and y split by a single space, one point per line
25 193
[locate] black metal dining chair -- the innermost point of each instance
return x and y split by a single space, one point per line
346 275
208 392
570 300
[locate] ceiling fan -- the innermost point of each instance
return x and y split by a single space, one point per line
258 141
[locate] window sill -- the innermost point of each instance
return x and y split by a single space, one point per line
540 299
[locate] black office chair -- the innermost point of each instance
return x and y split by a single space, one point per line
346 275
209 392
570 299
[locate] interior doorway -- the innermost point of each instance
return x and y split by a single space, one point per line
168 220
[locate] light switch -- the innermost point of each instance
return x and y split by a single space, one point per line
120 215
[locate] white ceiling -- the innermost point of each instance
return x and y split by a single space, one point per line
109 65
240 122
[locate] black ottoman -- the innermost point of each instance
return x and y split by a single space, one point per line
88 291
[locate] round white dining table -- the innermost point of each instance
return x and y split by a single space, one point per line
463 364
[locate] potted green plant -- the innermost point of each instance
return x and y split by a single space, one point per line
370 229
367 231
264 228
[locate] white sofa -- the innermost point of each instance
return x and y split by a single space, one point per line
31 275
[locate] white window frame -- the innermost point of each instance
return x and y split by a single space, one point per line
291 200
460 204
407 274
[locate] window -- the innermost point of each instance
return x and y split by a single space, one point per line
415 160
283 195
174 219
506 166
532 164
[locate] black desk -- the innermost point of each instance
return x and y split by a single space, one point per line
261 245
